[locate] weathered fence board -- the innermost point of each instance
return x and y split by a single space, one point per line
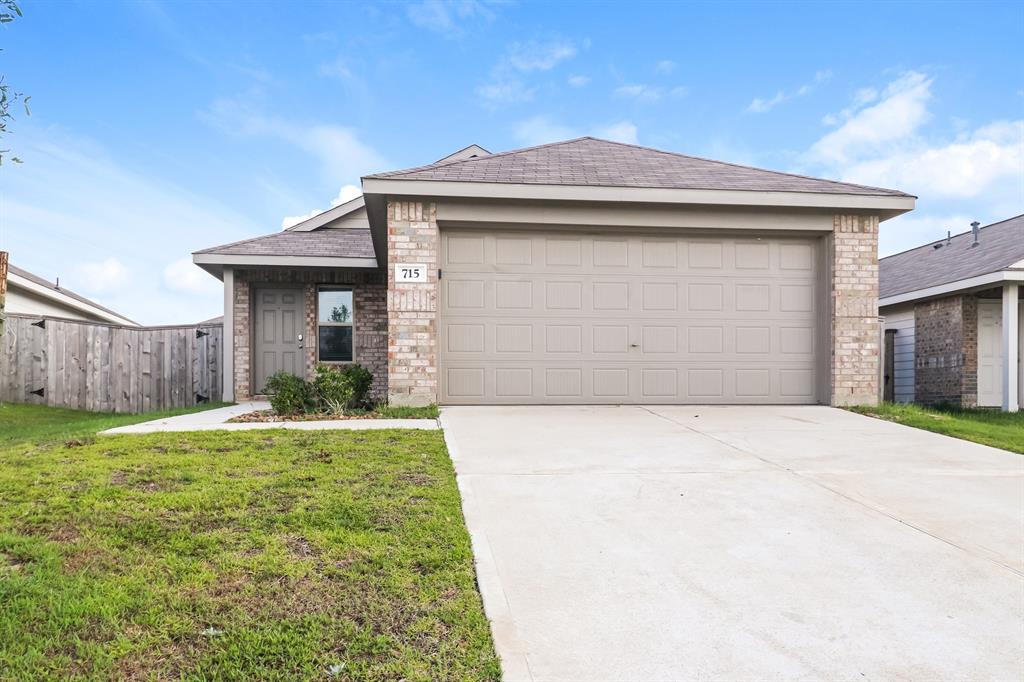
107 368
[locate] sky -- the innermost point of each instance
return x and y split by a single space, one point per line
161 128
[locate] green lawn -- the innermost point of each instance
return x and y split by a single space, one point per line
990 427
42 424
262 555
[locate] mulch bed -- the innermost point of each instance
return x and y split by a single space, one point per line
271 416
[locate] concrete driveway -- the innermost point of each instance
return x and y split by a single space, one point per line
679 543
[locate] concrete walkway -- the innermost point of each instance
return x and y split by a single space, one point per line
216 420
732 543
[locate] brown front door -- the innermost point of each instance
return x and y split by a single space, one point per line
277 334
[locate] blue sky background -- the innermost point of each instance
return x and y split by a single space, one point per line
160 128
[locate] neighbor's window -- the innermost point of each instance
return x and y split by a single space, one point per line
335 325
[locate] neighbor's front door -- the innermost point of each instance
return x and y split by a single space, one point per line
277 334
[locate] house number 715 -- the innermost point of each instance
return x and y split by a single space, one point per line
413 272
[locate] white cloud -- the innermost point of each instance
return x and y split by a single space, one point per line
185 277
346 193
535 56
882 140
759 105
624 131
541 130
448 17
649 93
505 92
339 68
103 276
578 81
901 110
343 156
912 230
638 91
966 168
506 85
665 66
109 230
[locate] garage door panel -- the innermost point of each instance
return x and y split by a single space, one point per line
573 318
601 383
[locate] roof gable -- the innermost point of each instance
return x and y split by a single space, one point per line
1000 247
589 161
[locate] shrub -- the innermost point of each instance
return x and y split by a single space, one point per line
343 387
288 393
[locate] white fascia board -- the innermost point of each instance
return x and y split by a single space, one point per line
331 214
890 206
979 282
63 299
294 261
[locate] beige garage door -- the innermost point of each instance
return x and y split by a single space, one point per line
532 317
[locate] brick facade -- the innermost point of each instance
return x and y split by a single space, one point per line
855 327
413 237
397 328
946 351
370 321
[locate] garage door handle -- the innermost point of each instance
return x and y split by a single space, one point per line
633 345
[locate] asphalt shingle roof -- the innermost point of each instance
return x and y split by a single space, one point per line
1000 245
330 243
589 161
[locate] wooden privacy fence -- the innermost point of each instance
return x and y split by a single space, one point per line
108 368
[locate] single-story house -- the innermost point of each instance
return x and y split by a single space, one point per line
952 313
29 294
583 271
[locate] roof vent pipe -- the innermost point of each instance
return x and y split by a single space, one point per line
949 237
974 228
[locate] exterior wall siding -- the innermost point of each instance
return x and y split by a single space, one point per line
413 237
370 322
902 321
855 327
946 351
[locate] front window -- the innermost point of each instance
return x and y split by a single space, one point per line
334 325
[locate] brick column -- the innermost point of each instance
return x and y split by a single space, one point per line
412 307
241 341
855 326
946 351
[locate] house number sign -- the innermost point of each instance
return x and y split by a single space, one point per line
413 272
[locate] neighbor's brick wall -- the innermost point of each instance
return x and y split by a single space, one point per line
369 336
855 326
946 351
412 308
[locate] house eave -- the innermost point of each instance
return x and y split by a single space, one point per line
886 206
214 263
963 285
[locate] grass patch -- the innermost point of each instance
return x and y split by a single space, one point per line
42 424
405 412
269 555
989 427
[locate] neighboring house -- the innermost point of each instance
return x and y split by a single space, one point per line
584 271
29 294
952 313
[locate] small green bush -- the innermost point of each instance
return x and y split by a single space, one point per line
288 393
343 387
